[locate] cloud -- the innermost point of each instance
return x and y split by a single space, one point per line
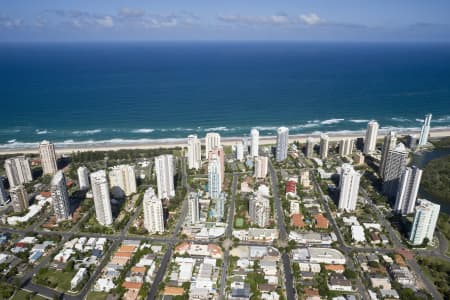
10 23
131 13
311 19
106 21
276 19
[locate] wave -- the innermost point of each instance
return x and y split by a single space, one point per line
86 132
443 119
359 121
41 131
420 120
397 119
143 130
220 128
12 141
331 121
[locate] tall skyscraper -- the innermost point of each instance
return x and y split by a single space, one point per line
425 220
348 188
212 140
153 212
395 165
60 197
259 207
122 179
239 151
218 151
194 150
214 177
407 190
282 143
390 140
324 139
346 146
164 169
19 198
18 170
102 200
83 178
370 142
309 147
423 139
261 163
194 207
220 206
3 195
254 134
48 158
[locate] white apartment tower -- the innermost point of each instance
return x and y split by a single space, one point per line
164 169
214 177
346 146
261 163
212 140
407 190
220 205
425 220
60 197
18 170
83 178
3 196
239 151
259 207
309 147
194 150
370 142
282 143
390 140
153 212
348 188
423 139
19 198
102 200
395 165
122 179
194 207
254 146
324 140
48 158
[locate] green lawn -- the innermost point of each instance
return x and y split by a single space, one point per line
59 280
96 296
239 222
24 295
437 271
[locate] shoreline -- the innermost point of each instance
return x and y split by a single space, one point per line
62 148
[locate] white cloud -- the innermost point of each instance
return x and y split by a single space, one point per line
10 23
311 19
106 21
127 12
276 19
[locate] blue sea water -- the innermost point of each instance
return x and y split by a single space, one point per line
78 92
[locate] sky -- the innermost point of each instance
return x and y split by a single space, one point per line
297 20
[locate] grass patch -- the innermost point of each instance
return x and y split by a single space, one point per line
97 296
239 223
24 295
58 280
437 270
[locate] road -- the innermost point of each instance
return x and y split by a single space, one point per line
288 280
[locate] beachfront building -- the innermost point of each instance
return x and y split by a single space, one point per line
83 178
282 143
220 153
19 198
346 146
324 141
348 188
407 190
60 197
425 220
390 140
214 176
239 151
194 207
48 158
164 169
212 140
370 142
122 179
3 196
261 163
194 152
309 151
254 146
153 212
395 165
425 131
18 170
259 207
102 200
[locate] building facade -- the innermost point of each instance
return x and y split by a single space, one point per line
214 177
153 212
407 190
282 143
370 142
60 197
254 146
395 165
194 207
19 198
324 141
164 169
309 151
346 146
18 170
212 140
425 131
48 158
194 152
3 195
83 178
348 188
102 199
122 179
261 163
390 140
259 207
425 220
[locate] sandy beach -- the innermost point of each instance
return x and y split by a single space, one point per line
226 141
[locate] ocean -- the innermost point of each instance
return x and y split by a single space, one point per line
73 93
